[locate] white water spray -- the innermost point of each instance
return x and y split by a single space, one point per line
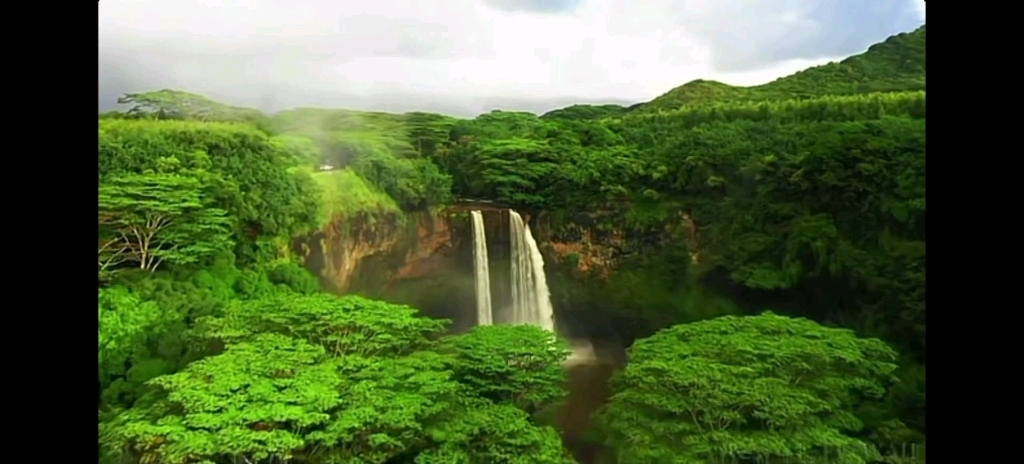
481 271
531 300
582 353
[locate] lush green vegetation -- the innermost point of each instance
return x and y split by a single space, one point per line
390 151
175 104
207 358
895 65
346 193
735 388
804 196
325 379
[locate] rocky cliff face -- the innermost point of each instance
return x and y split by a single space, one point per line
602 283
585 252
375 250
584 246
371 252
434 242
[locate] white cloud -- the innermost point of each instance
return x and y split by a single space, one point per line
459 50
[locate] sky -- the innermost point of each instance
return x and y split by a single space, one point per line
466 57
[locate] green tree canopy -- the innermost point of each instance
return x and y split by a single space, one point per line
519 365
750 387
125 322
241 169
155 218
322 379
175 104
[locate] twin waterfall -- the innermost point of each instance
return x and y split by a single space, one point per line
531 301
481 271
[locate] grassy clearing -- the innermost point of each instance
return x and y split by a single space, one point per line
346 193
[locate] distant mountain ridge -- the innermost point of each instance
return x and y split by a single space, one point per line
896 64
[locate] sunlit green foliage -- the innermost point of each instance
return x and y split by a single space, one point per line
488 433
519 365
347 325
743 387
248 402
125 322
166 345
318 378
147 220
345 194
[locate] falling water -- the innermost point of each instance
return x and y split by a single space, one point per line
481 271
531 301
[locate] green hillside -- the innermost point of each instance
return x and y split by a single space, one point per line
897 64
345 193
175 104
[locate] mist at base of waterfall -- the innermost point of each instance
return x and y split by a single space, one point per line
582 353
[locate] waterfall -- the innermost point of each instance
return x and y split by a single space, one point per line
481 271
531 301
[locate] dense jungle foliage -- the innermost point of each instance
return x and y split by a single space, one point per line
769 262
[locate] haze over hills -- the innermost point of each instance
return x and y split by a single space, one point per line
896 64
397 102
595 58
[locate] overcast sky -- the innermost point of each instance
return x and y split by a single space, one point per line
464 57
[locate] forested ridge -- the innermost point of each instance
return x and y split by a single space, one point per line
767 263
